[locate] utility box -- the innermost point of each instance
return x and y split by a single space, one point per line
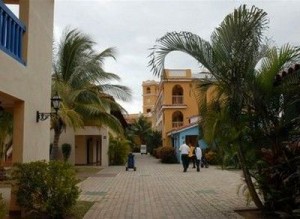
143 149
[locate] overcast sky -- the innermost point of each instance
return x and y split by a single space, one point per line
132 27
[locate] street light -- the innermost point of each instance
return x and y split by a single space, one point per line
55 103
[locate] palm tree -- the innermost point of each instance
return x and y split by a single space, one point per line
243 94
265 99
140 130
272 110
231 57
83 85
154 140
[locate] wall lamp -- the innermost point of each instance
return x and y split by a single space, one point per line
55 103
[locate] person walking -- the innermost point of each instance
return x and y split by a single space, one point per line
192 156
198 152
184 149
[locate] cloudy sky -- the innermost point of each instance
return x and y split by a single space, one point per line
133 26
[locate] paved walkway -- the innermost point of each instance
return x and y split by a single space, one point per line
162 191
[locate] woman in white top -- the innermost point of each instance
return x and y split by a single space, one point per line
198 153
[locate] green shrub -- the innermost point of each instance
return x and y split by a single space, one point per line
211 156
136 149
118 151
66 150
157 152
46 188
153 141
3 209
168 155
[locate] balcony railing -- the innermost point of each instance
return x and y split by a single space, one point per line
177 124
11 32
177 99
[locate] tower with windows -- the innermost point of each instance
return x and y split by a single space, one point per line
171 101
150 92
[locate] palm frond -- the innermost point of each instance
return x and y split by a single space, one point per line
107 53
274 62
117 91
185 42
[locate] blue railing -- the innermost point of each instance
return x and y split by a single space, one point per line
11 33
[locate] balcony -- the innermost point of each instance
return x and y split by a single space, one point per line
177 99
177 124
11 33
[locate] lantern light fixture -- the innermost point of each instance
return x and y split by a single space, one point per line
55 103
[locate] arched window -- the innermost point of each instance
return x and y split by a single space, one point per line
177 119
148 110
148 90
177 94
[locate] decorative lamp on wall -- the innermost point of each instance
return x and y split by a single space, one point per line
55 103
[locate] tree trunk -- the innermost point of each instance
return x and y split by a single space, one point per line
55 153
2 153
248 179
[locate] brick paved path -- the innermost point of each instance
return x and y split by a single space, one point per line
162 191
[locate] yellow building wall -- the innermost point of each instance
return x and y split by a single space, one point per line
26 89
149 98
188 108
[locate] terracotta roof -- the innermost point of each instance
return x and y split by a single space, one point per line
280 76
183 127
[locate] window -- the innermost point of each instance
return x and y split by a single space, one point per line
177 94
177 119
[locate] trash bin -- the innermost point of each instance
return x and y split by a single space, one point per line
130 162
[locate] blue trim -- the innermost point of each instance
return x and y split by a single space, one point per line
11 32
179 136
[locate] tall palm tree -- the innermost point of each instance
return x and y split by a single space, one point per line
265 98
273 111
231 57
140 130
84 87
244 93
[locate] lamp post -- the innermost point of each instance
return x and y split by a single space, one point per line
55 103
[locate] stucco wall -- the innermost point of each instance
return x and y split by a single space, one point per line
189 107
78 141
27 88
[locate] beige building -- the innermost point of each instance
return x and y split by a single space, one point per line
89 145
172 101
25 74
25 86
